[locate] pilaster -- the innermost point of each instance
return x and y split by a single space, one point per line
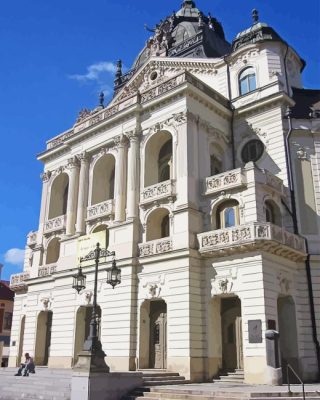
121 176
83 193
73 166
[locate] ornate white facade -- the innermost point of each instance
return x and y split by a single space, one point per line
206 241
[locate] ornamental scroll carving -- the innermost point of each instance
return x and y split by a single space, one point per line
152 286
224 281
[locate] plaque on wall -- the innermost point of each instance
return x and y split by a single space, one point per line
255 331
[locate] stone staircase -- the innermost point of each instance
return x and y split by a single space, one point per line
236 377
154 378
45 384
196 393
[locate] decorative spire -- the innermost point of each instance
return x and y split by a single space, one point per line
188 3
255 16
101 99
119 69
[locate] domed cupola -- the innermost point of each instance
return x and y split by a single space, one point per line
186 33
258 32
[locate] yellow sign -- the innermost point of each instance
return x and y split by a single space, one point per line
88 243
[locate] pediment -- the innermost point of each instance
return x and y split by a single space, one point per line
157 71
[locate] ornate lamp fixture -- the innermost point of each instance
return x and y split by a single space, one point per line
93 355
113 275
79 281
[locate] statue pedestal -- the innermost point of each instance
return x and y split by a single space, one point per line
91 380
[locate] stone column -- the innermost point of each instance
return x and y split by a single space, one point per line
73 166
45 177
83 193
133 187
121 175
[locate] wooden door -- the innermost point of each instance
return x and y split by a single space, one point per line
239 343
160 342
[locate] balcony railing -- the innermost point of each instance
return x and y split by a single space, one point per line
159 246
18 280
55 224
159 191
252 236
47 270
226 180
32 238
104 209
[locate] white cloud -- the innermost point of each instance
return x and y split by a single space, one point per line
14 256
96 72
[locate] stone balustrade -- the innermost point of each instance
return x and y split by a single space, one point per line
47 270
18 280
159 246
252 236
227 180
55 224
159 191
104 209
32 238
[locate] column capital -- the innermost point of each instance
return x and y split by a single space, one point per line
133 136
120 141
45 176
83 157
73 162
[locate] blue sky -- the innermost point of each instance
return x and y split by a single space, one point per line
57 55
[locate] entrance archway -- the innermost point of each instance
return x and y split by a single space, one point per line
288 334
83 320
153 335
231 331
21 338
43 338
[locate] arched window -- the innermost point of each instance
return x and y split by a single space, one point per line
158 225
158 159
227 214
273 214
164 162
215 165
103 179
252 151
247 81
53 251
59 196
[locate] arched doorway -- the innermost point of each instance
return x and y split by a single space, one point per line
21 338
43 338
288 334
83 320
153 335
231 331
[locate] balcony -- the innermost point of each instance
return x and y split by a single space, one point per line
55 224
227 180
160 191
251 237
104 209
47 270
17 281
155 247
32 239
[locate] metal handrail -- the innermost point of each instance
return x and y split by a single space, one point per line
289 367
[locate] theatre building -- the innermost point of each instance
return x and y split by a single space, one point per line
202 175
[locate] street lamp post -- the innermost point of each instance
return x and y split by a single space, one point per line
92 356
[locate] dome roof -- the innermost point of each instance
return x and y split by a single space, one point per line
186 33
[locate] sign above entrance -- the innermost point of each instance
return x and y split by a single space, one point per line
88 243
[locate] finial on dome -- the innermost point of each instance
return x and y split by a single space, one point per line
101 99
255 16
188 3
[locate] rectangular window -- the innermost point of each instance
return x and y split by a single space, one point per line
7 320
1 318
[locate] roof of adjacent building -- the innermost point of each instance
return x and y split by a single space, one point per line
5 292
307 103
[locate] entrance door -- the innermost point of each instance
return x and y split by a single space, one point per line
43 338
158 335
239 343
231 328
22 326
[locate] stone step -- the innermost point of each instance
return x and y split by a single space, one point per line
146 374
166 382
163 378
